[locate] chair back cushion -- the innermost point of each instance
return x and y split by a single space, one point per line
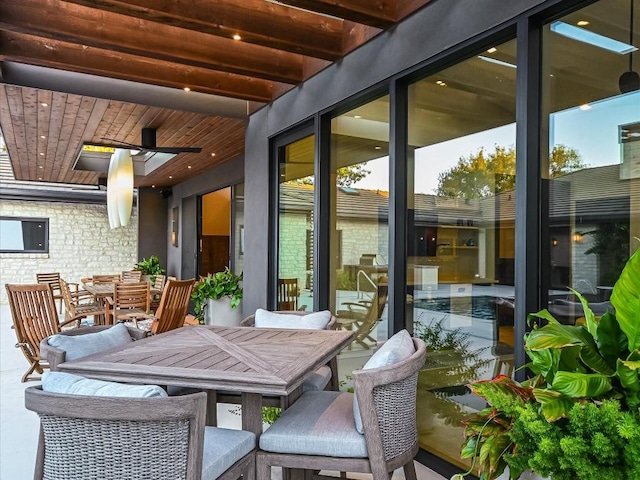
78 346
60 382
397 348
312 321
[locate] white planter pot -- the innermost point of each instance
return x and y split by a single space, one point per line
219 312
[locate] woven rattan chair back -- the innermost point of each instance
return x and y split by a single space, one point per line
34 318
52 279
70 448
173 305
128 298
131 276
387 402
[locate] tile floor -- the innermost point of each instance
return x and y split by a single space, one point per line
19 427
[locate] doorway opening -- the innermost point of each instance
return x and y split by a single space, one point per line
215 237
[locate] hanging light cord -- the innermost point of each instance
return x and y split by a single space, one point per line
631 37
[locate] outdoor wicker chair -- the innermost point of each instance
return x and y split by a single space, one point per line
112 438
320 430
34 318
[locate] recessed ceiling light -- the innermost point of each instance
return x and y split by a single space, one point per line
39 178
213 154
357 116
237 37
40 166
377 147
585 106
44 104
492 50
186 89
170 176
592 38
153 186
582 23
189 167
43 136
441 83
41 153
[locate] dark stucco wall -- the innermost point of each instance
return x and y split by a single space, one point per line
442 24
152 225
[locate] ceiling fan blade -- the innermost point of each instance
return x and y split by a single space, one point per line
175 150
135 147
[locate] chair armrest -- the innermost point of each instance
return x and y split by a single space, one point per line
54 356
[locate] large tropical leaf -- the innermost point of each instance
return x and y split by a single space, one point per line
500 390
577 385
554 404
626 300
543 314
629 374
590 323
612 342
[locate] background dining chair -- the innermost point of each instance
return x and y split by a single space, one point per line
139 438
319 431
131 276
130 300
34 318
173 306
79 305
52 279
362 317
287 294
157 284
102 279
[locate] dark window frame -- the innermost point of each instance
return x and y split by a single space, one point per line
45 221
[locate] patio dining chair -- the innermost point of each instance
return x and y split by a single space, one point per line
130 300
288 294
131 276
34 318
153 437
52 279
79 305
173 306
363 316
330 431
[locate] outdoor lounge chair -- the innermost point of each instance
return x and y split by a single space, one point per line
362 317
112 438
321 432
34 318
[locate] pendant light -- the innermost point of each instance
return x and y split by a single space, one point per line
630 81
120 188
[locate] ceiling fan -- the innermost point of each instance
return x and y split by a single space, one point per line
148 144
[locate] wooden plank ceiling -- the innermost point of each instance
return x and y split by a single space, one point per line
253 50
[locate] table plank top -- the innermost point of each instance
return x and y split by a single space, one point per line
244 359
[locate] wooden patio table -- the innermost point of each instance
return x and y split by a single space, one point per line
253 361
102 290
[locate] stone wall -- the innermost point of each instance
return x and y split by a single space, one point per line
80 243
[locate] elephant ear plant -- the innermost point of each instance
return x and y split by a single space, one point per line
578 417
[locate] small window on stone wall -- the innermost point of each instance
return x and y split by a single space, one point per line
24 235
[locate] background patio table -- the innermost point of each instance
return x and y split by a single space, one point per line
253 361
102 290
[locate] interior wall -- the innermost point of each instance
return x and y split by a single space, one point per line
153 224
216 213
229 173
436 28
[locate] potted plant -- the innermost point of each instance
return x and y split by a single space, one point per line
150 268
217 297
578 417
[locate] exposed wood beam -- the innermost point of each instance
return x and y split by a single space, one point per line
375 13
85 26
256 21
56 54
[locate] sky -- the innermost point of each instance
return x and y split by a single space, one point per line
593 133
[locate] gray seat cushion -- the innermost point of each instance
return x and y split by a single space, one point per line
223 448
319 423
78 346
60 382
318 381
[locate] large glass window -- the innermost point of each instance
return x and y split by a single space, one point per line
593 171
24 235
360 226
460 236
295 236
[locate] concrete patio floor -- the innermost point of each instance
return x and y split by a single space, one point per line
19 427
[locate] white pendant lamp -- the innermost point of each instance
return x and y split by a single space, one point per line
120 188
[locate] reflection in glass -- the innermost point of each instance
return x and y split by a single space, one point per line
594 208
360 227
461 236
238 227
295 239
